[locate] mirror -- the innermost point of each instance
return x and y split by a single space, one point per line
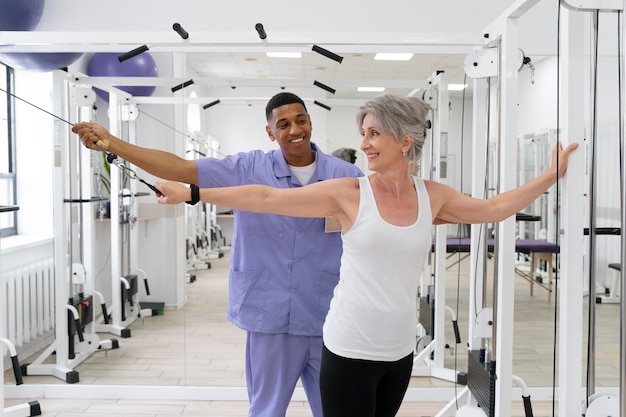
195 332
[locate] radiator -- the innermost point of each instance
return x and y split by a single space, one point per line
29 292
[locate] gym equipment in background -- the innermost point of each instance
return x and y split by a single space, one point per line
75 333
106 64
32 408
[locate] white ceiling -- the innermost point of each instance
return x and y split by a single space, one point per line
356 69
231 53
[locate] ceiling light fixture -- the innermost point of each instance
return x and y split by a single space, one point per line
284 54
324 87
392 56
371 89
457 87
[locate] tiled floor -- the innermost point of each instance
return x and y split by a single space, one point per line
196 347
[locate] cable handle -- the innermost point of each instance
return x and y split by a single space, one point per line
113 159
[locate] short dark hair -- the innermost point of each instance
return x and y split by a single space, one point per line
282 99
347 154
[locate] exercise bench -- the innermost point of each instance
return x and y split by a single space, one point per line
613 295
460 245
538 250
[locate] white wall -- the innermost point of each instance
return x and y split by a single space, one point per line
240 126
34 155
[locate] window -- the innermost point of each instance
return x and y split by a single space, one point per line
8 220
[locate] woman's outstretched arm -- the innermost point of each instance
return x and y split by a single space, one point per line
451 206
316 200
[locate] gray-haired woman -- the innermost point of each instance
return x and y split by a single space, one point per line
386 221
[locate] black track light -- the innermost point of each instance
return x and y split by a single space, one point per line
131 54
327 53
324 87
260 30
179 29
322 105
181 86
211 104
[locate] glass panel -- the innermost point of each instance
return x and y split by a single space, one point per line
4 125
7 219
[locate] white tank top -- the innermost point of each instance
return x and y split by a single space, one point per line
373 313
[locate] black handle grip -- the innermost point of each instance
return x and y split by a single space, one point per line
145 283
153 188
457 334
528 408
179 29
604 231
105 315
79 330
17 371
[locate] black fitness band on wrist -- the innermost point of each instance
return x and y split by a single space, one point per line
195 195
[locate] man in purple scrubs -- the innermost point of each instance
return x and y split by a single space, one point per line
283 269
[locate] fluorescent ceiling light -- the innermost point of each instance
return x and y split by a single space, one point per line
457 87
284 54
371 89
389 56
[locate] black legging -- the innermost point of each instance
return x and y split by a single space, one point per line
362 388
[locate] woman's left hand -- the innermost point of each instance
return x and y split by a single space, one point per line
560 157
172 192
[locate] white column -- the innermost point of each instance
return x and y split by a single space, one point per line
505 294
480 145
572 214
115 121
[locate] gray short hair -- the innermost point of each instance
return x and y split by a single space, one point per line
399 116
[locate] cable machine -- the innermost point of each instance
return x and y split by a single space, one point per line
32 408
200 219
494 70
430 346
75 333
125 273
492 390
123 112
598 404
534 158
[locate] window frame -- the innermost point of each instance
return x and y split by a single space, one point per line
9 74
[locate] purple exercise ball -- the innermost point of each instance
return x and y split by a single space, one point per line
39 61
20 14
106 64
24 15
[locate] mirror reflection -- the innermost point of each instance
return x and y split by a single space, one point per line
147 309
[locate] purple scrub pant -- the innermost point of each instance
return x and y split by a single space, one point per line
274 363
